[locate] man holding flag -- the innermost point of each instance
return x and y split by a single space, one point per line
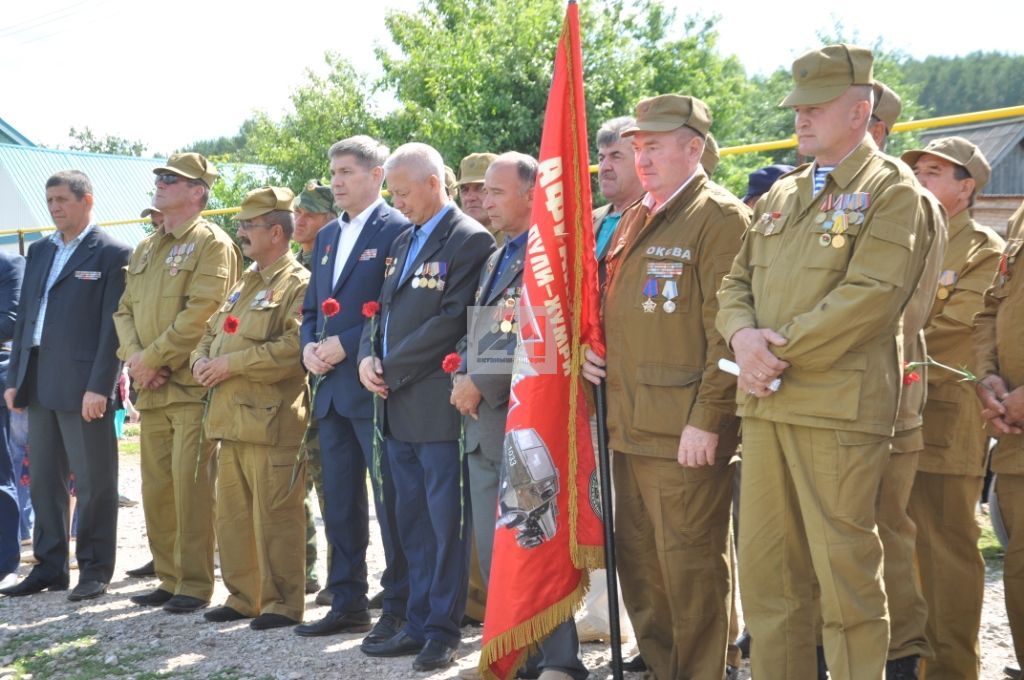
671 416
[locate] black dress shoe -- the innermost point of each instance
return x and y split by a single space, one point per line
399 645
743 642
34 584
87 590
434 655
324 598
634 665
184 604
377 601
468 620
223 615
336 622
387 627
268 621
904 668
1012 672
145 570
153 598
312 586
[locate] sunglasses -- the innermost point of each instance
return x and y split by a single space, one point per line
168 178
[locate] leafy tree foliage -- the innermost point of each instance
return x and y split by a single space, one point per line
86 140
978 81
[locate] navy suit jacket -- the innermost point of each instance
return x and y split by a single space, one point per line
12 270
78 350
359 282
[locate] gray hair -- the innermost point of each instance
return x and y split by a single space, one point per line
367 151
283 217
423 159
76 181
526 167
612 130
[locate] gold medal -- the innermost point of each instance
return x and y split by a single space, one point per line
825 240
838 241
431 283
177 259
506 326
943 293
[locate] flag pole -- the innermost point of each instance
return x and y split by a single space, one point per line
604 466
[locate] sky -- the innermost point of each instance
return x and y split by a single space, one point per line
169 74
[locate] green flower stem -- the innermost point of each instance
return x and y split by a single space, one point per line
202 428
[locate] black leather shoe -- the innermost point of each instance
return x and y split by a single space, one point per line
634 665
34 584
336 622
87 590
743 642
153 598
268 621
312 586
223 615
377 601
1012 673
387 627
434 655
143 571
399 645
904 668
469 621
184 604
732 673
324 598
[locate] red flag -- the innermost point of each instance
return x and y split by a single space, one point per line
549 531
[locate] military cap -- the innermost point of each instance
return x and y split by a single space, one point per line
888 105
762 179
150 211
668 112
709 159
959 151
190 165
268 199
316 198
822 75
473 167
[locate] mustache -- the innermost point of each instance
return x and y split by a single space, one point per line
244 241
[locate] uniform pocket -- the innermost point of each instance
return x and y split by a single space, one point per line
842 383
256 419
664 396
256 322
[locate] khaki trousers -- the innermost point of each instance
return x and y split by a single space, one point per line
672 543
809 504
1010 489
908 612
261 529
177 505
952 571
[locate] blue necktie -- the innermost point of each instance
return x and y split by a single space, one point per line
415 243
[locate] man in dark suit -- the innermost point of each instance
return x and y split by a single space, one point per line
12 269
64 369
347 264
483 384
429 282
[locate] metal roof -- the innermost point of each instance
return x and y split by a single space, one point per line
995 139
8 133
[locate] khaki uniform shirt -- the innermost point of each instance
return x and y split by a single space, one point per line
999 336
954 431
659 315
839 307
265 400
175 282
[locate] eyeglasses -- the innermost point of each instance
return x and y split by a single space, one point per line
168 178
246 225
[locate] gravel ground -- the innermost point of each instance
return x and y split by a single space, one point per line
45 636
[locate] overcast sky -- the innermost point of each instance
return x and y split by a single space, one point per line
169 74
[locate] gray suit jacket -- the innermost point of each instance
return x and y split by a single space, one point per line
423 325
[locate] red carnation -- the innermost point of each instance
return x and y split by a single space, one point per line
911 378
370 309
451 363
231 324
330 307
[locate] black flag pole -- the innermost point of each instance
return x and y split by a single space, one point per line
605 472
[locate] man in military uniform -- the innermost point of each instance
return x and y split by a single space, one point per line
815 298
888 107
314 208
671 417
177 277
998 343
952 467
249 361
471 187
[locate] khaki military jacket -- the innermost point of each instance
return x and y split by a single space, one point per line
838 304
954 431
999 336
175 282
265 399
659 314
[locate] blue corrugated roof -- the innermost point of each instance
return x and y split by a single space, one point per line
7 131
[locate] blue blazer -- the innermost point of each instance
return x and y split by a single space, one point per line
12 270
359 282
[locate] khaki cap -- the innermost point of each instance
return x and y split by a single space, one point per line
473 168
150 211
668 112
316 198
822 75
268 199
888 105
709 159
449 180
959 151
192 166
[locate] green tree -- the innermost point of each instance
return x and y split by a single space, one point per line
975 82
86 140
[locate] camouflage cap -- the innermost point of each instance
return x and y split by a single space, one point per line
190 165
888 105
268 199
149 211
959 151
316 198
473 168
822 75
668 112
709 159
